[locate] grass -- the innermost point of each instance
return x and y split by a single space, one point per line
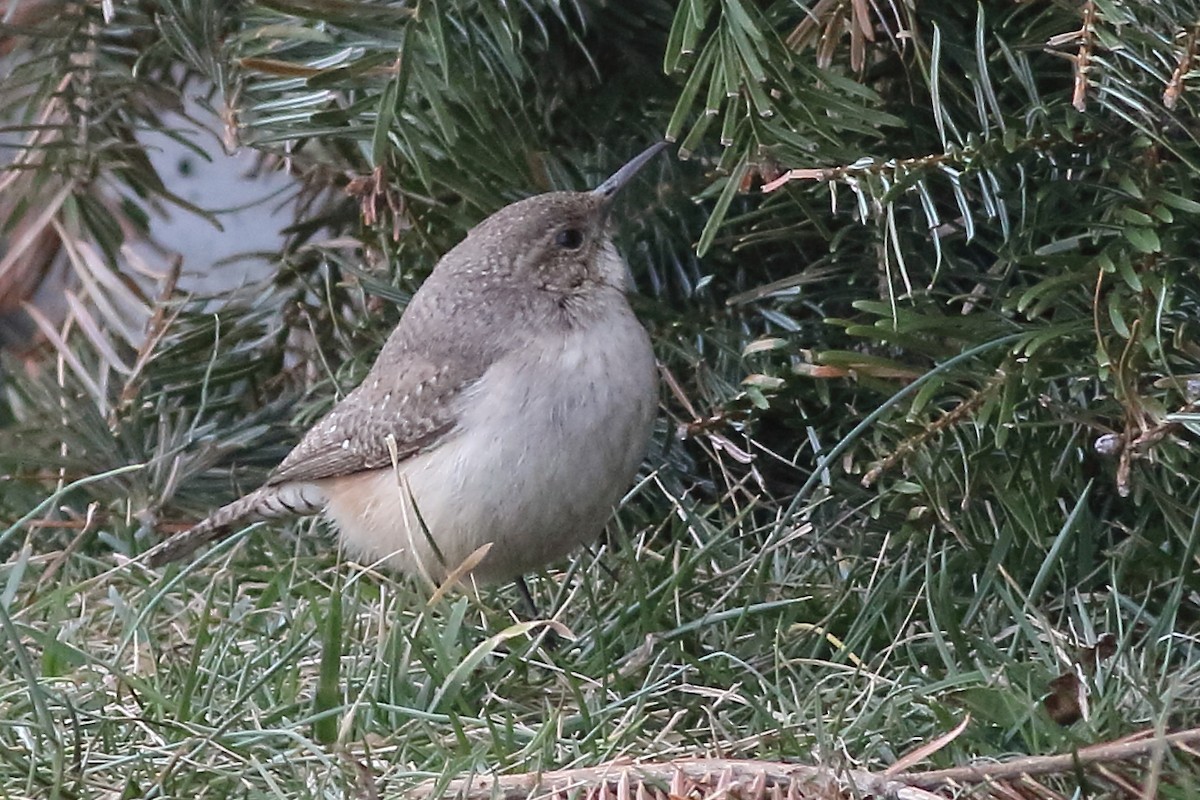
995 324
773 609
271 668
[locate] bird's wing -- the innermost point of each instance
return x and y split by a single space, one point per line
448 336
407 398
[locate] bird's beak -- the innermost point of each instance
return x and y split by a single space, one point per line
608 190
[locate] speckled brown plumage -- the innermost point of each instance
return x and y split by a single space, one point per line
510 407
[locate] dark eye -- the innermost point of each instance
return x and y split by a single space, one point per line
569 238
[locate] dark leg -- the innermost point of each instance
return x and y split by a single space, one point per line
550 638
612 545
531 606
612 573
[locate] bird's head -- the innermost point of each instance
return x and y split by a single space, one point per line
560 241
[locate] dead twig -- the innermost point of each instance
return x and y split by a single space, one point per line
743 779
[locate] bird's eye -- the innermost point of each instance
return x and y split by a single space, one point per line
569 238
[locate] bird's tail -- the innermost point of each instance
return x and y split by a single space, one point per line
264 503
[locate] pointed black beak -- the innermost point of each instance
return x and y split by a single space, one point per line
608 190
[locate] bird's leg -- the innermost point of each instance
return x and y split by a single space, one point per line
612 573
612 545
523 588
552 640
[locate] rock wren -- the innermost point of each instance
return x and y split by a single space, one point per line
511 406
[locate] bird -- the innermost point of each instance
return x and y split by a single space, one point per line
502 421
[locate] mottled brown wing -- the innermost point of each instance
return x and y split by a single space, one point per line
404 395
458 324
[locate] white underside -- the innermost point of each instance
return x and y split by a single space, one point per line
548 441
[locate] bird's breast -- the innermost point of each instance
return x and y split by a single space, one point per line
553 434
546 443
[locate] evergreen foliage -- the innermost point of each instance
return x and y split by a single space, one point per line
922 284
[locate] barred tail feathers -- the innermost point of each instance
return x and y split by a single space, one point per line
267 502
